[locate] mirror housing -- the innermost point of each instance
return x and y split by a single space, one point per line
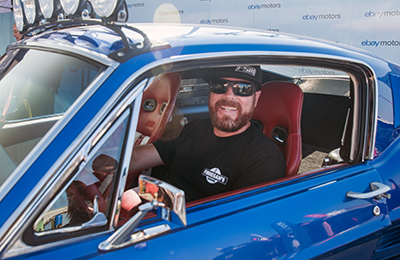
173 199
165 199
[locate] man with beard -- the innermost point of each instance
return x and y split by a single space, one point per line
225 152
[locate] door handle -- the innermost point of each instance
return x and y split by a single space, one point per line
378 190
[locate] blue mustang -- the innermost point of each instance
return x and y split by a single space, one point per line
77 96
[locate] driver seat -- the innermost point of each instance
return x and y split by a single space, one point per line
279 112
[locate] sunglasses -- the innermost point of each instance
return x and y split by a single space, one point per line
239 88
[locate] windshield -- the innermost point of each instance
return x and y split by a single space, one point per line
38 83
36 88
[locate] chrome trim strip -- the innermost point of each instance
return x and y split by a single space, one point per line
356 116
98 220
93 55
35 120
21 248
135 97
14 222
374 122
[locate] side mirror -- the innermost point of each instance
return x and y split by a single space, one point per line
171 199
167 200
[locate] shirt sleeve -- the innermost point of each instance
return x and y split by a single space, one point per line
167 149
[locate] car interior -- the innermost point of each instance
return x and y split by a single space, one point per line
305 115
312 109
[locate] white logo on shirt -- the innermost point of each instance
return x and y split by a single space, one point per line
214 175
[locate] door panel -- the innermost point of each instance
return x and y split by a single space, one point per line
305 218
387 164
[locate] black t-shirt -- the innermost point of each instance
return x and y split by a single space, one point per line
203 164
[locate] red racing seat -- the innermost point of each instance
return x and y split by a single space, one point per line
158 102
157 105
279 111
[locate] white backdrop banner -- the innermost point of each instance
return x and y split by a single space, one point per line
367 24
6 30
5 6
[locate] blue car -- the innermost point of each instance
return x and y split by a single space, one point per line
77 96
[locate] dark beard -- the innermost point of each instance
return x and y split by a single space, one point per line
227 124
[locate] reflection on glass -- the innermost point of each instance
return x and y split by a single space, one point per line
150 191
167 196
38 83
74 205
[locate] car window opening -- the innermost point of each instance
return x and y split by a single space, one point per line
324 113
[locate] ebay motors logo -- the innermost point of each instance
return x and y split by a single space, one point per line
263 6
378 14
380 43
307 71
172 12
315 17
135 5
214 21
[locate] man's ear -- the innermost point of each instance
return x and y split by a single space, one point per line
258 94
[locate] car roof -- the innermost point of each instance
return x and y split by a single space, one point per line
190 39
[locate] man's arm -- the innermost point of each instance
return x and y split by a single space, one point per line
145 157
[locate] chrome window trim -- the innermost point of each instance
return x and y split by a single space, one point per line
203 56
29 121
356 115
134 98
22 248
93 55
375 95
49 137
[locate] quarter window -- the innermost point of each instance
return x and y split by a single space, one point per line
88 193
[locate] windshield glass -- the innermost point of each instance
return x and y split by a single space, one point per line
38 83
36 88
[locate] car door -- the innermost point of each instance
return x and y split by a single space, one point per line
335 212
308 217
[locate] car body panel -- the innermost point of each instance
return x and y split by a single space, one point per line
306 234
389 170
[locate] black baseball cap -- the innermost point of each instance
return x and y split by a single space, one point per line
250 73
